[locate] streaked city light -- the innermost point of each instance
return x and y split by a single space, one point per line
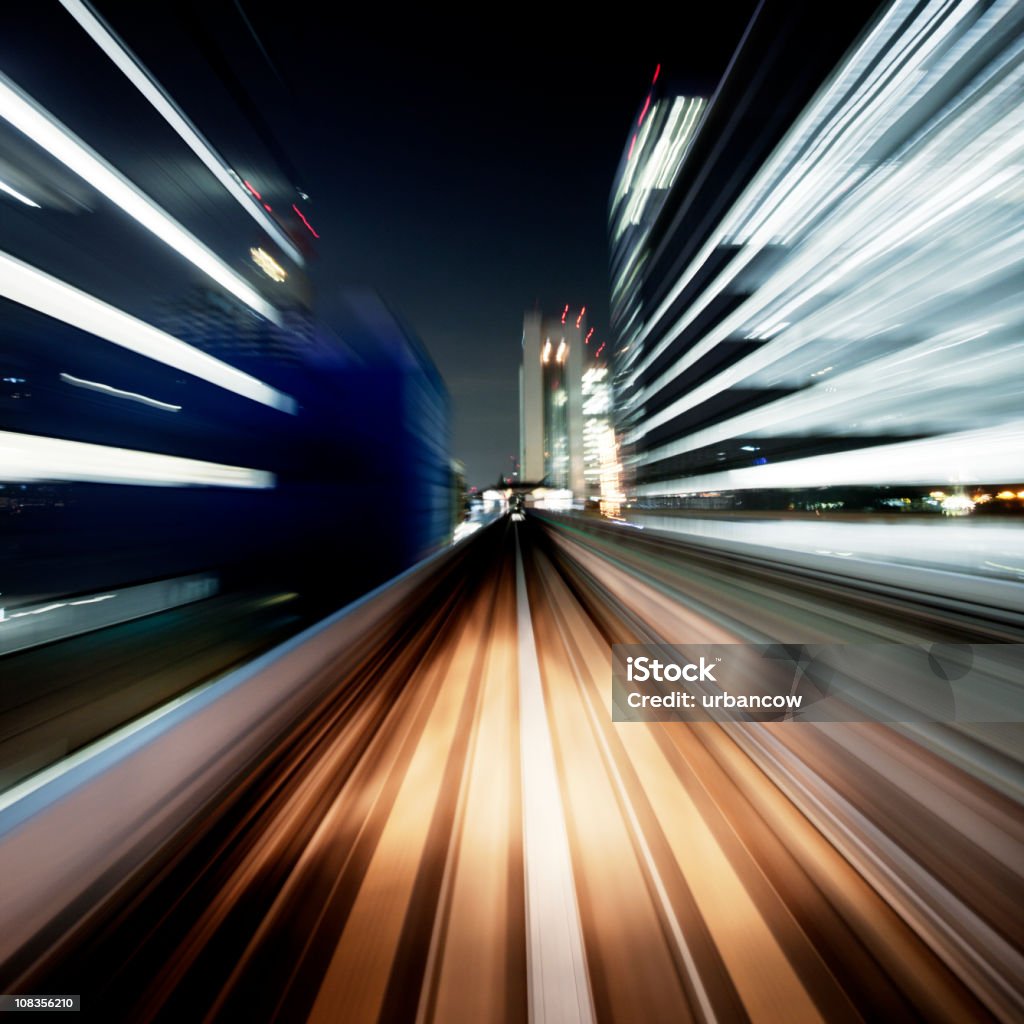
31 287
31 458
611 492
21 197
107 389
657 166
268 265
465 529
139 76
886 310
46 131
971 457
302 217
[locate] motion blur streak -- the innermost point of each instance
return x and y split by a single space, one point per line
860 290
107 389
557 965
4 187
33 288
356 852
28 457
46 131
140 77
971 457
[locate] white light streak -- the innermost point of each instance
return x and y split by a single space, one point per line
465 529
4 187
556 969
106 389
655 167
29 458
140 77
970 457
39 611
39 291
46 131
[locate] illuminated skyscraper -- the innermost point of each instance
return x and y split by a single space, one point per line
551 399
597 420
602 466
659 141
825 288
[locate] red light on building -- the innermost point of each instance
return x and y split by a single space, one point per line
643 113
304 221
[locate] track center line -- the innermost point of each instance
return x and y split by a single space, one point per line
557 980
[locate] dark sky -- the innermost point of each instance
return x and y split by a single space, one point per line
460 167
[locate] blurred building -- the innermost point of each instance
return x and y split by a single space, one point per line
663 132
210 321
171 398
551 399
390 412
823 290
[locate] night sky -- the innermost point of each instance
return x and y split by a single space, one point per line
465 181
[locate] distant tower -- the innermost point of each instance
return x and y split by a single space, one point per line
600 450
551 399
